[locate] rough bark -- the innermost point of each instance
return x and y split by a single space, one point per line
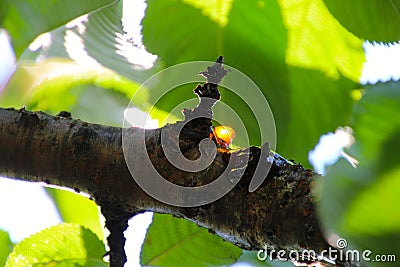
87 157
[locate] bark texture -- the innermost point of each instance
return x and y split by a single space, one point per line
89 157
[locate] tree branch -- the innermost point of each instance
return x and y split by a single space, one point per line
89 157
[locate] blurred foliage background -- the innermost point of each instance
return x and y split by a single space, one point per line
306 56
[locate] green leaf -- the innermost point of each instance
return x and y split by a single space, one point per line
314 34
254 46
25 20
100 40
241 41
187 21
55 85
216 10
74 208
387 188
318 105
60 245
113 106
361 204
374 20
177 242
377 122
260 38
376 118
105 39
6 246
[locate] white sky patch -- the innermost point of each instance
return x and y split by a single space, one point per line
137 56
42 41
382 62
129 45
75 47
25 208
132 15
135 235
7 59
136 117
78 23
330 148
243 264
